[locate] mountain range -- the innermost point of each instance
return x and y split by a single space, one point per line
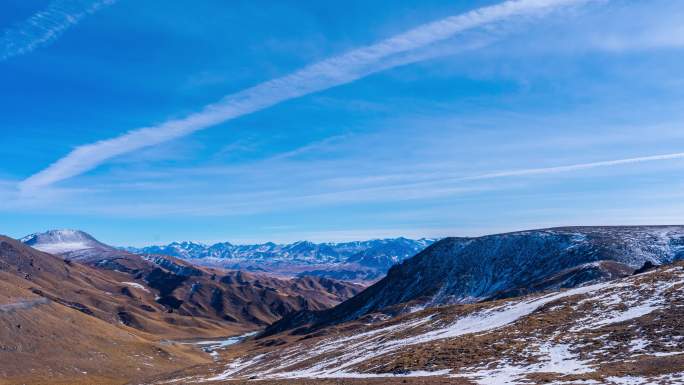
91 308
575 305
355 261
241 297
470 270
571 305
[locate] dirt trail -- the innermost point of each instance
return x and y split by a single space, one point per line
23 305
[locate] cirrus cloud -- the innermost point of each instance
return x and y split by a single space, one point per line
316 77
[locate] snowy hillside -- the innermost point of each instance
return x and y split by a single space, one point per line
621 332
468 270
62 241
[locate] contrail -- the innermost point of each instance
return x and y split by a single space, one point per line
312 78
574 167
46 26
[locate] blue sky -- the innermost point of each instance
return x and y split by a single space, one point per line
513 115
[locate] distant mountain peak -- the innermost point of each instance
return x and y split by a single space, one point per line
62 241
57 233
362 260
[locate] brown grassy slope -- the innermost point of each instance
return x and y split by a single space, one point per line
59 322
50 341
102 294
59 318
629 327
203 303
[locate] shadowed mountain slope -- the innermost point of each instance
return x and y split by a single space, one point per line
109 315
626 331
467 270
233 299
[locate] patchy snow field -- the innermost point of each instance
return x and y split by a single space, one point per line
583 335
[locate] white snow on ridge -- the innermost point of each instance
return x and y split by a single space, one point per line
343 374
64 247
366 346
495 318
628 306
136 285
61 241
336 357
557 359
666 379
234 367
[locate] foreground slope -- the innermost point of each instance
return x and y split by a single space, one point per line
60 324
469 270
628 331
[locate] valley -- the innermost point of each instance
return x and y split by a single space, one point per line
94 314
289 192
582 305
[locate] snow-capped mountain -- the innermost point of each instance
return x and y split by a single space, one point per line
58 313
468 270
171 284
364 260
63 241
392 250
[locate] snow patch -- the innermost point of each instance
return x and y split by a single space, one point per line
58 248
136 285
557 358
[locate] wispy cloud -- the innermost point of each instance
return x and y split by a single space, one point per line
316 77
314 192
575 167
45 26
423 179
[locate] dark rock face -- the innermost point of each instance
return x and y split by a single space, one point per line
127 292
164 281
466 270
648 265
72 304
170 302
217 300
114 264
569 278
176 268
127 318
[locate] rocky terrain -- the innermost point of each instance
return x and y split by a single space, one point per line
99 315
241 298
584 305
470 270
627 331
66 323
351 261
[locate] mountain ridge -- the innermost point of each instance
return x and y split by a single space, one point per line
356 261
241 299
468 270
625 331
226 250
